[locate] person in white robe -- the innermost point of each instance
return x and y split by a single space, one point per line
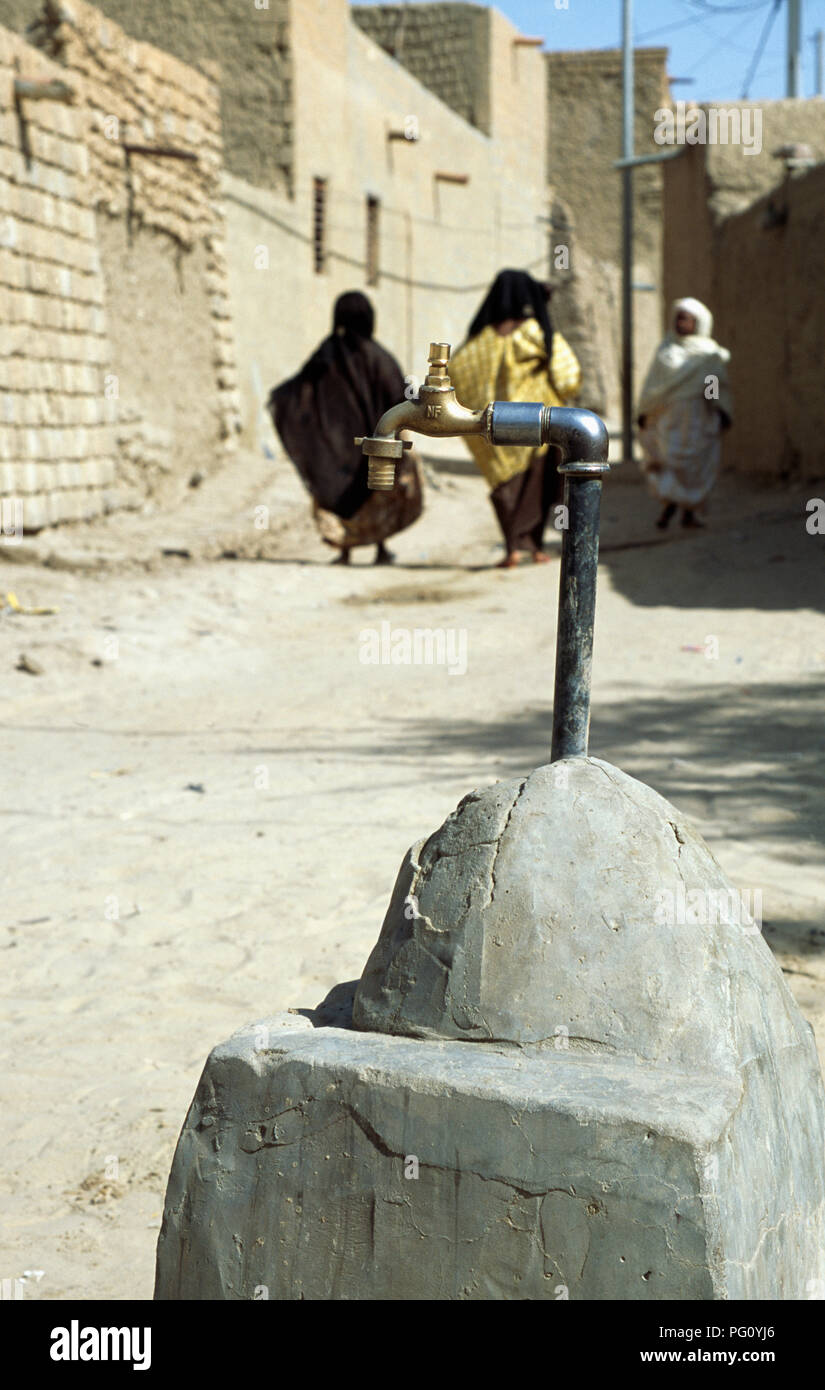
684 406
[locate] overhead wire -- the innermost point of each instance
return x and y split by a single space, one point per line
725 9
703 7
725 39
760 48
664 29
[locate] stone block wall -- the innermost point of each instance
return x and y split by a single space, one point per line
447 47
57 447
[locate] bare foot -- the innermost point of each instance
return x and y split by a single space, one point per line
511 561
539 558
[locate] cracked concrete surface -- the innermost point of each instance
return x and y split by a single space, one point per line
535 870
538 1176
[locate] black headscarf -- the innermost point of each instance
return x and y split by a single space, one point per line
340 392
515 295
353 314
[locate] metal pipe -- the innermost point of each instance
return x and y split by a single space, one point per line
584 442
635 160
48 90
577 607
794 55
627 230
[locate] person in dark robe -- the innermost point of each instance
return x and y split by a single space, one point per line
513 353
341 392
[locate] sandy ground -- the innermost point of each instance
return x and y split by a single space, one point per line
208 795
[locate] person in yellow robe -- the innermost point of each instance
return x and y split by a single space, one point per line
513 353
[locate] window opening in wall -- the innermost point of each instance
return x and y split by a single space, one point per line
319 225
373 249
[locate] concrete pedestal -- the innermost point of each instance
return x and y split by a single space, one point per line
330 1164
560 1084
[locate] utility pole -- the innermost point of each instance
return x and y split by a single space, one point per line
627 230
794 46
817 42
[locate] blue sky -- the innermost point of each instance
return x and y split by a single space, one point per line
712 41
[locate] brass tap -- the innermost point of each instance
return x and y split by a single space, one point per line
579 434
583 440
434 411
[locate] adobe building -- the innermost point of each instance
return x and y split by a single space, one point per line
458 52
289 151
709 182
743 232
282 152
343 170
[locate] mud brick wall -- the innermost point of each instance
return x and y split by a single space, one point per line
584 114
136 94
584 137
768 295
252 45
447 47
746 237
57 450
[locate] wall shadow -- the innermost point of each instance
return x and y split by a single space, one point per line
754 553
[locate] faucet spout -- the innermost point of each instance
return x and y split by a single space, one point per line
434 411
432 415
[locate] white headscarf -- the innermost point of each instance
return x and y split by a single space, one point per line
683 362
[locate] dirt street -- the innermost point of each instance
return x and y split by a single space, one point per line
208 793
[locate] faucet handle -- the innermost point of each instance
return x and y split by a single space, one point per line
439 356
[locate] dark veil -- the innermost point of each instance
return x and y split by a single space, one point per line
515 295
340 392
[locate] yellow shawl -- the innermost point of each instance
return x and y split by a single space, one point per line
490 367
